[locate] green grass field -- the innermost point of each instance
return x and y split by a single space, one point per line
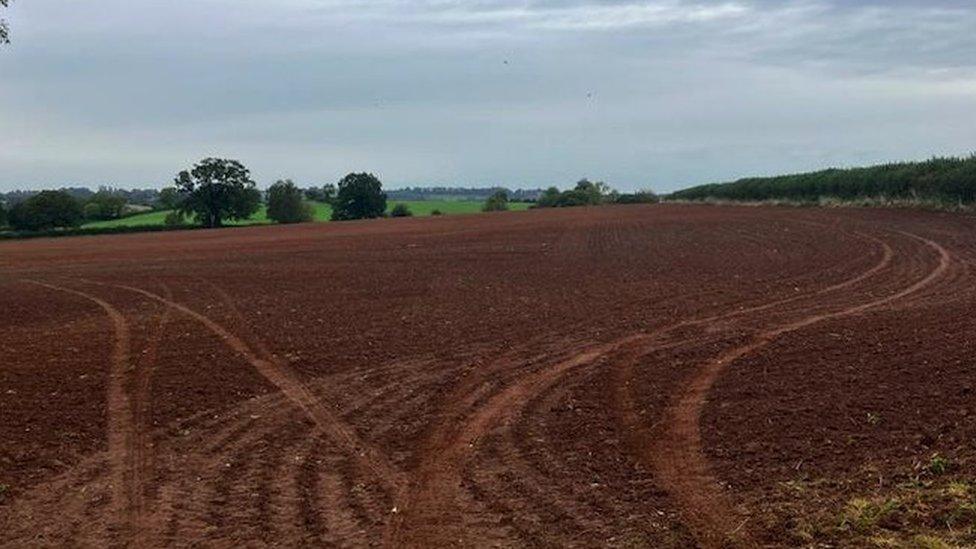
322 212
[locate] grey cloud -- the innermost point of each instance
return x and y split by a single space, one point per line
661 93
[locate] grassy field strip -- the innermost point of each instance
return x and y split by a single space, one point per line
322 212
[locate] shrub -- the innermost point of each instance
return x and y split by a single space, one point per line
174 218
359 196
436 212
497 202
585 193
286 203
47 210
549 198
401 210
168 199
639 197
104 205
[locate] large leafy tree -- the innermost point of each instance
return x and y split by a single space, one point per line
217 189
286 203
359 196
47 210
3 215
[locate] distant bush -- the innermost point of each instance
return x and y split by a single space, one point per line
175 218
497 202
168 199
286 203
945 180
436 212
359 196
585 193
321 194
104 205
314 194
639 197
401 210
47 210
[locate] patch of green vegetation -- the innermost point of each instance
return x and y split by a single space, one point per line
321 212
927 510
939 465
865 515
454 207
138 220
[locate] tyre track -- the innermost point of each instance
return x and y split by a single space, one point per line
232 438
421 522
124 433
287 382
676 454
142 411
435 486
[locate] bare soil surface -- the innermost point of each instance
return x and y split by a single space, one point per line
646 376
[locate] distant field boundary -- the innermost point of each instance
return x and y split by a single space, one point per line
322 213
82 231
831 202
945 184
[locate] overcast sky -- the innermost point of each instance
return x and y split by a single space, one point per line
655 93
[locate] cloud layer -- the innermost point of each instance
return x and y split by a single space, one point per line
659 93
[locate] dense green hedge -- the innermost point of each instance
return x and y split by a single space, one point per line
95 231
951 180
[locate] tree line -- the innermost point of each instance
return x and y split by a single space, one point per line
949 180
215 191
211 193
463 193
592 193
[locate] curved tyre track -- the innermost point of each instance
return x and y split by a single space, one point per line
487 441
125 430
675 454
431 513
287 382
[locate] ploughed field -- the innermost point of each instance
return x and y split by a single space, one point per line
618 376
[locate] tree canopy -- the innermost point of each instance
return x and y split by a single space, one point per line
359 196
168 199
217 189
948 180
104 205
585 193
497 202
286 203
47 210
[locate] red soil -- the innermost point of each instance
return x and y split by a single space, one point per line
644 376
